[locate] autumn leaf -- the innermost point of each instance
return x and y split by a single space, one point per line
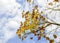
28 0
51 41
54 35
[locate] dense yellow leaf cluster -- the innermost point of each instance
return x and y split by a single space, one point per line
30 23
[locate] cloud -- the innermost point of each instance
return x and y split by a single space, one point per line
42 2
8 7
10 15
12 25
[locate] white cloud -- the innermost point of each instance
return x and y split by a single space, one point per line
9 7
9 30
17 18
42 2
9 25
12 25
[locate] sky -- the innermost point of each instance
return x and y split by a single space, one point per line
10 18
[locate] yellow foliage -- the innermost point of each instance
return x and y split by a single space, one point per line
31 21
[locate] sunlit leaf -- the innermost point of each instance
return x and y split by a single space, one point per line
51 41
54 35
28 0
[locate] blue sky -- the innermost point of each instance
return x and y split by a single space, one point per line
10 18
27 40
